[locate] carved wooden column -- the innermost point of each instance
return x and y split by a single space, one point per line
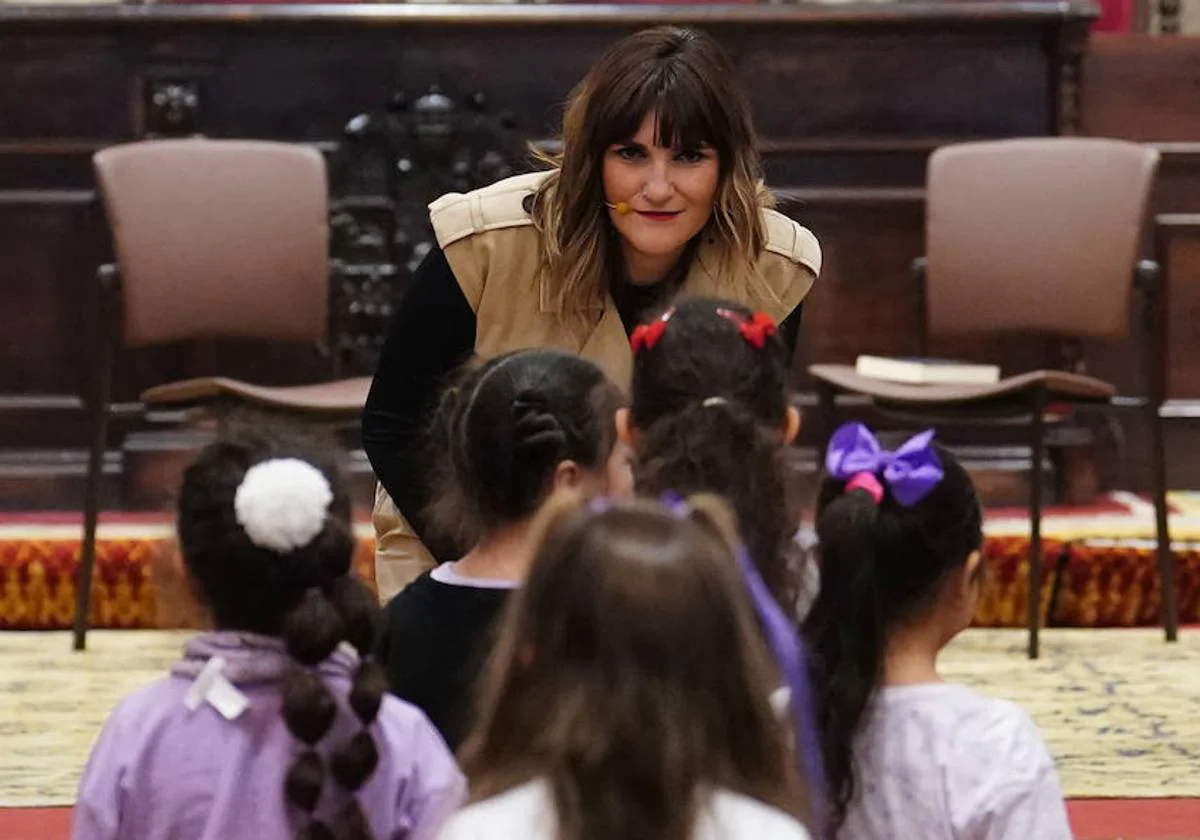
170 107
1169 15
390 166
1069 47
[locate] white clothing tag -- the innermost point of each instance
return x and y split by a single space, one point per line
210 686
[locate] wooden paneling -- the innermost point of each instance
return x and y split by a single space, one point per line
850 99
1142 87
1178 238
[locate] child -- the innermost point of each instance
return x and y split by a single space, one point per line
710 413
267 729
627 696
907 755
514 430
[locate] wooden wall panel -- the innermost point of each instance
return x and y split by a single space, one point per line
849 100
1142 87
39 284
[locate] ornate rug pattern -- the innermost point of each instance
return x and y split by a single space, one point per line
1100 553
1120 709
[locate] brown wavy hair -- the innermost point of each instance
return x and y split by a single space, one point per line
631 677
688 82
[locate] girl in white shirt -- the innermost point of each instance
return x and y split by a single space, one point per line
906 755
628 692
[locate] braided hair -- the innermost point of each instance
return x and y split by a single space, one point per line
265 531
499 434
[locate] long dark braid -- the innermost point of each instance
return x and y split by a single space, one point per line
309 596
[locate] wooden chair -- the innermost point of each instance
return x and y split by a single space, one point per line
1034 237
213 239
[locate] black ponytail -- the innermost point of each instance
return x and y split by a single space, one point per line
881 563
720 447
312 632
353 762
847 647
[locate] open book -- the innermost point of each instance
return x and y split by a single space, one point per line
926 371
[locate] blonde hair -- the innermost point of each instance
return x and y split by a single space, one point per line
686 80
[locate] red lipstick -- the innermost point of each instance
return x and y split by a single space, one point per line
658 216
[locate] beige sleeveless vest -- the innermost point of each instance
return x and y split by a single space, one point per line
495 252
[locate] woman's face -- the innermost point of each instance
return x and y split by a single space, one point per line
669 194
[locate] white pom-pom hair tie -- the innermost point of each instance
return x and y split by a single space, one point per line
282 503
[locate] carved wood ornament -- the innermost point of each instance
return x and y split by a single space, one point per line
390 166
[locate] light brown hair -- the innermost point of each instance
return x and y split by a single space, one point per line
685 79
631 677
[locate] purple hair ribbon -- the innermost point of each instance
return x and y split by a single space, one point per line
785 645
792 659
910 472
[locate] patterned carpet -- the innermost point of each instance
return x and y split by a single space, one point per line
1120 709
1099 554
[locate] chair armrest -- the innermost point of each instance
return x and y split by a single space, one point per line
1147 277
1148 280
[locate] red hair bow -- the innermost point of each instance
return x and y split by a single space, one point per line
756 330
645 336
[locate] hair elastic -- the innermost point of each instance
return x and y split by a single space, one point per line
281 503
868 483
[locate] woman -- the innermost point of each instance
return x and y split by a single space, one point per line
657 193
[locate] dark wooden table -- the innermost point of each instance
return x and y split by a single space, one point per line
849 100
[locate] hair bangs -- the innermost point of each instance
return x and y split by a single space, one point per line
681 105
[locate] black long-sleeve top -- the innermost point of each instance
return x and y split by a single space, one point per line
432 334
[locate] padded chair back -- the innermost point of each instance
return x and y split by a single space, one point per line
1035 235
218 239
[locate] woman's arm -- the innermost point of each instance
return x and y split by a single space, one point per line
789 329
431 334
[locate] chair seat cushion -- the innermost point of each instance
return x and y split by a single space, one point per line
1058 384
342 396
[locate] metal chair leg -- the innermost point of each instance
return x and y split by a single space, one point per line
826 419
1162 531
95 479
1038 445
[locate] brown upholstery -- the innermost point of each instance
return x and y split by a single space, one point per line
1041 237
1058 384
345 396
218 238
1034 235
213 239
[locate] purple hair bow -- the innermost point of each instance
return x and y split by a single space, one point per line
910 472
